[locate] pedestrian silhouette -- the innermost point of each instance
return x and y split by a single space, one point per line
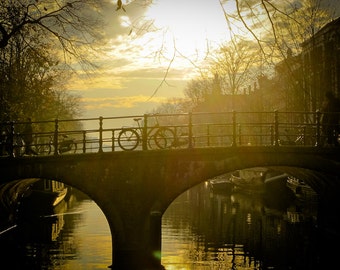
330 118
28 137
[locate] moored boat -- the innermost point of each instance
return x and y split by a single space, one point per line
249 180
221 183
301 190
44 194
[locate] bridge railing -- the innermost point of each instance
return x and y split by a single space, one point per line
187 130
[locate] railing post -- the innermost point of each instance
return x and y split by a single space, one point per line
304 135
113 141
318 128
208 134
55 137
276 128
234 129
190 130
145 133
84 141
100 134
239 134
11 139
272 138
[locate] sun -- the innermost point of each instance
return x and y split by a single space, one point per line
191 26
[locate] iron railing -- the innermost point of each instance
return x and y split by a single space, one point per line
188 130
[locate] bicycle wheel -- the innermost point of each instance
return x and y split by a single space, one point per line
42 149
152 145
182 141
67 146
128 139
18 147
164 138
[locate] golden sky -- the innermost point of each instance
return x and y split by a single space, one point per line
136 61
138 53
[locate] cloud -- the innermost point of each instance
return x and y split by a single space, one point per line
138 58
97 103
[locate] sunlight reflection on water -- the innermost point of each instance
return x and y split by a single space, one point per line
200 231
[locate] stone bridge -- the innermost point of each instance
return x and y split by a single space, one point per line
134 188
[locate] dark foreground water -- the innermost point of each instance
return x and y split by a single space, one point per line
201 230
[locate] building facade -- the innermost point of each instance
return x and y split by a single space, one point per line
321 64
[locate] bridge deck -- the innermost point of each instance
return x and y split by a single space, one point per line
165 131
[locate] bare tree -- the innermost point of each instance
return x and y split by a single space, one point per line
279 28
236 64
197 90
277 24
70 25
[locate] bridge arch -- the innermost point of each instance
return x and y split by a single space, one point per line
134 189
189 169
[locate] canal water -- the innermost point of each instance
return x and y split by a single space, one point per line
202 229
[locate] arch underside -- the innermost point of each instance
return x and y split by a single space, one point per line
131 187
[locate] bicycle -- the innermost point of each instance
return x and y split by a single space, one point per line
17 148
42 147
305 137
130 138
181 138
67 145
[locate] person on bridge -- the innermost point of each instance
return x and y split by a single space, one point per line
28 137
330 118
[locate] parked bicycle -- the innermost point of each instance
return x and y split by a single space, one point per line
42 144
157 137
181 138
304 137
9 148
43 147
67 145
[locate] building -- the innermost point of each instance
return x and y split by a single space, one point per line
299 84
321 64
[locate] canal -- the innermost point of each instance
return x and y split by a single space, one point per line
202 229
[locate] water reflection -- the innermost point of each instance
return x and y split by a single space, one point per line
206 230
72 235
202 229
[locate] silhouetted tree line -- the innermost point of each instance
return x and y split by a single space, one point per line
39 42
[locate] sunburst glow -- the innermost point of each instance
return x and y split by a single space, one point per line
191 26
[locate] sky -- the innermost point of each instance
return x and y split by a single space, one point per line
130 78
135 61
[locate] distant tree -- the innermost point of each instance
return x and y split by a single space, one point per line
236 64
197 89
174 105
31 82
230 69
